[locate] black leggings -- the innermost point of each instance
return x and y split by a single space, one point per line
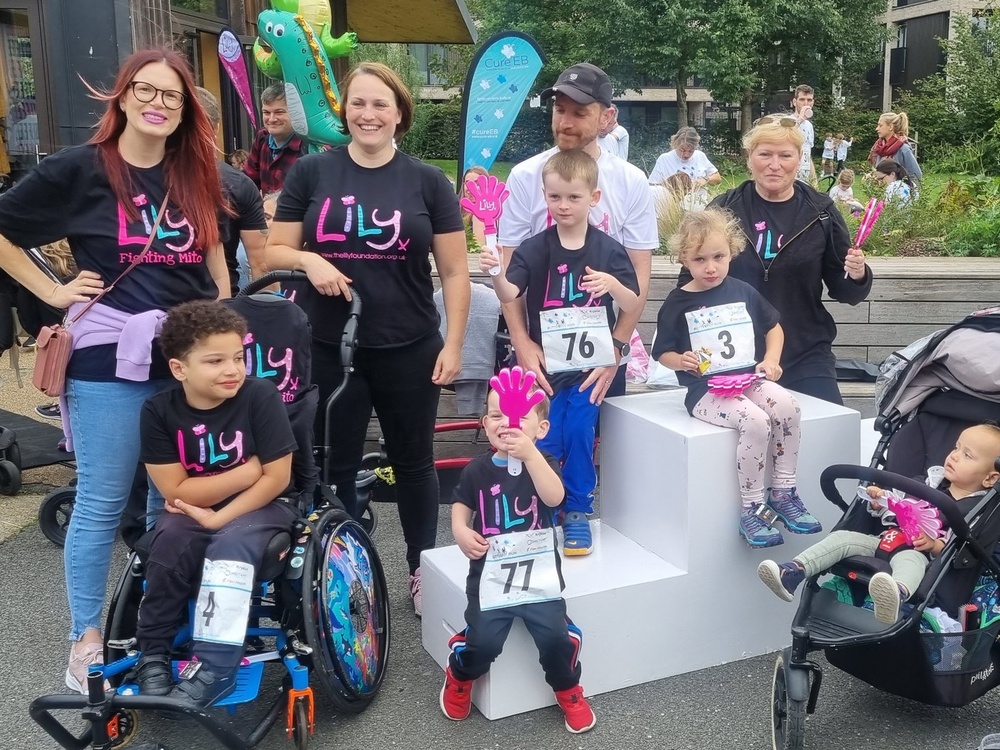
397 383
822 387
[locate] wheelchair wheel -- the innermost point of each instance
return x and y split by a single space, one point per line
788 716
14 454
10 478
300 725
345 611
54 514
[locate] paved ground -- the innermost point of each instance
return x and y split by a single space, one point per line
716 709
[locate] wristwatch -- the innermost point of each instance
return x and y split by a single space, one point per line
624 348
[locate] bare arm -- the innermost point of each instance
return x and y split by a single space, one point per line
450 257
14 261
773 343
472 544
253 242
215 259
283 250
506 292
529 354
275 476
173 482
686 361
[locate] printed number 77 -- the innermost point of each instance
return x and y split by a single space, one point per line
511 569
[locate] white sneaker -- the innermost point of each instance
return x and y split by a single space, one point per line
885 593
415 595
80 660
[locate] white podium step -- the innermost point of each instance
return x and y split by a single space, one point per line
671 587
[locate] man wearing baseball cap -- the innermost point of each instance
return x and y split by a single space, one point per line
581 101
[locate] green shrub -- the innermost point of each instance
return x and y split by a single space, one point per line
434 134
530 135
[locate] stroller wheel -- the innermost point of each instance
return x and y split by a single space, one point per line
10 478
788 716
54 514
127 723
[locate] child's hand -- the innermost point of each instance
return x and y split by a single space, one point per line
517 444
204 516
924 543
596 283
876 494
770 368
488 260
690 363
473 545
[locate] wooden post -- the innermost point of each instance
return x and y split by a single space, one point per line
151 23
339 10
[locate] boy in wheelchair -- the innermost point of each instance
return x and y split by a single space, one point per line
219 448
968 473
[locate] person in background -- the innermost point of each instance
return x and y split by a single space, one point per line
613 137
893 142
685 158
473 223
829 155
393 212
802 102
891 176
153 137
843 143
238 158
276 147
843 191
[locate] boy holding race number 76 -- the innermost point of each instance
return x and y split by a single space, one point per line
571 275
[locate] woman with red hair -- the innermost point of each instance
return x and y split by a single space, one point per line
153 141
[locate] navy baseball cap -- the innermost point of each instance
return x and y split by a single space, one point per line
583 83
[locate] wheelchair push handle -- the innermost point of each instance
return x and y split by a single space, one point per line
271 277
945 504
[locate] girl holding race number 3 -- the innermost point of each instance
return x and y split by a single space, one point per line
714 328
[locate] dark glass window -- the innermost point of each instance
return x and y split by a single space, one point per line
216 8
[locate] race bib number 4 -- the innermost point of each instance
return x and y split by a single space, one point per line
223 602
576 338
723 337
520 569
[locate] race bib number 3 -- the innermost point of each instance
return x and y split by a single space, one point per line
576 338
723 337
520 569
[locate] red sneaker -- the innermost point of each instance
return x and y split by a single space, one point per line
579 717
456 697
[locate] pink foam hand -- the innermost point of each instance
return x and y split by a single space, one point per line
730 386
513 385
915 517
486 204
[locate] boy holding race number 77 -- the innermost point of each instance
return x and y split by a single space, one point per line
571 275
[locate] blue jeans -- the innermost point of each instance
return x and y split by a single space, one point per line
572 425
104 418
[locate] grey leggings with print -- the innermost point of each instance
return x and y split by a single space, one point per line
767 418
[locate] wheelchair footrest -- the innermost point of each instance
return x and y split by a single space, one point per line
248 680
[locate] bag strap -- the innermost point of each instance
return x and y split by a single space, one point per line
136 261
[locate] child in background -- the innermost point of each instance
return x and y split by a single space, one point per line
238 158
967 474
890 175
474 227
222 504
571 274
829 155
477 515
717 324
842 144
843 191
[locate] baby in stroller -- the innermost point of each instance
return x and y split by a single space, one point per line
967 475
219 448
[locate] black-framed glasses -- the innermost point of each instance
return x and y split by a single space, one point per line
146 92
785 121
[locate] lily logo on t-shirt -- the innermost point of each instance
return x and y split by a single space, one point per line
764 241
174 232
502 522
562 290
259 366
214 454
354 224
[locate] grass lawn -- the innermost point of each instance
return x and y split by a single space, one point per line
500 168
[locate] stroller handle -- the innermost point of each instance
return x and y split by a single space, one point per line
944 503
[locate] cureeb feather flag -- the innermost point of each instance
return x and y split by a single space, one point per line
500 77
235 65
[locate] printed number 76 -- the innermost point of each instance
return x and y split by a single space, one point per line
586 347
511 569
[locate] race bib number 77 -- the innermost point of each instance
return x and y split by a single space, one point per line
520 568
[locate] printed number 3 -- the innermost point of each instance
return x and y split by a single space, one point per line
586 347
511 569
727 341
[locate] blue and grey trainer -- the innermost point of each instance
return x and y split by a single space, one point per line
788 506
782 579
757 533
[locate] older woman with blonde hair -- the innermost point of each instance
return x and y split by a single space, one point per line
797 243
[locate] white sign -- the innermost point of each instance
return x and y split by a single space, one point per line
722 336
576 338
220 616
520 569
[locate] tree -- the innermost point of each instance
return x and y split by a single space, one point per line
397 57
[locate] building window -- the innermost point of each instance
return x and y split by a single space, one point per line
214 8
901 35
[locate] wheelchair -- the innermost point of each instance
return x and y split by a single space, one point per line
320 609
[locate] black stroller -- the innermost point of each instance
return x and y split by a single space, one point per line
927 394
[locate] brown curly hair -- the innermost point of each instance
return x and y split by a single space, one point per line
191 322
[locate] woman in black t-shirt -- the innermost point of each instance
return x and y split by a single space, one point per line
797 243
104 197
370 216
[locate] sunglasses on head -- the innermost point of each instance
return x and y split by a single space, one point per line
785 121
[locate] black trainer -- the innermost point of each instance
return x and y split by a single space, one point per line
153 675
204 687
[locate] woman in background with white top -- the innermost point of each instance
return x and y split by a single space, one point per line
685 157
